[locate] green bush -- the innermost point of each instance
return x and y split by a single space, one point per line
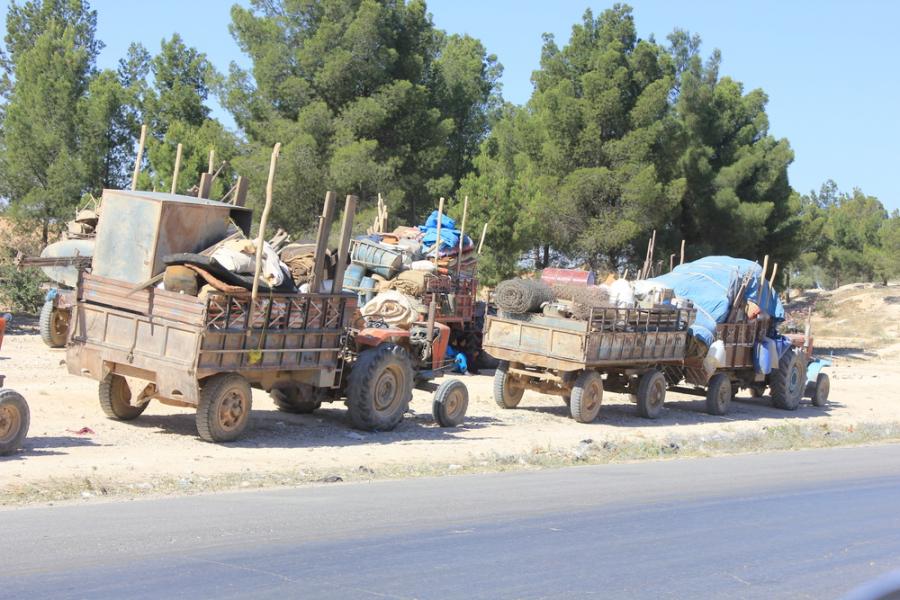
20 290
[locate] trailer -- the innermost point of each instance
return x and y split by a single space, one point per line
15 416
616 349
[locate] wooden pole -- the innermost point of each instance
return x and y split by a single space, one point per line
671 262
177 168
344 245
322 242
462 236
652 252
772 279
437 243
682 252
762 281
481 243
263 221
140 157
212 160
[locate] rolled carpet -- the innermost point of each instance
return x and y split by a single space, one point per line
518 296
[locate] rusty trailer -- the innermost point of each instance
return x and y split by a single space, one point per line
617 349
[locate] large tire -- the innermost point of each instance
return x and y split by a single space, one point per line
115 399
507 391
380 387
297 398
53 325
787 383
651 394
450 402
718 394
14 420
820 393
587 396
224 408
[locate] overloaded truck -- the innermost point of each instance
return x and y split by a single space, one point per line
206 348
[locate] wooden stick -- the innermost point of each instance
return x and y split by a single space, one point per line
652 252
263 221
462 236
762 280
772 279
671 262
481 243
212 160
177 168
437 243
140 157
337 285
682 252
322 242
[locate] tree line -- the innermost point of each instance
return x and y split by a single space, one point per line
622 136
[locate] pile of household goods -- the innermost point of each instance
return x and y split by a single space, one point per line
571 294
392 271
229 265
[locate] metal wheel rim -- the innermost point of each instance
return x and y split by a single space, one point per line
453 403
387 389
10 422
58 325
657 393
591 397
121 393
511 389
793 381
231 410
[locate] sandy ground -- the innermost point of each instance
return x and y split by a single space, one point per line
163 441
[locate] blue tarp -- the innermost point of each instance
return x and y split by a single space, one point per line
712 283
449 232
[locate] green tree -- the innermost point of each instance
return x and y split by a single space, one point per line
366 97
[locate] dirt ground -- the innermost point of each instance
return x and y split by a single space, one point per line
71 445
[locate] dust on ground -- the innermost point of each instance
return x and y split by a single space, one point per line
73 451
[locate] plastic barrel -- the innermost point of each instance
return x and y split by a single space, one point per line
567 276
366 290
352 276
384 261
763 359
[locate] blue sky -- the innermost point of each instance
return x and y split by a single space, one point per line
829 68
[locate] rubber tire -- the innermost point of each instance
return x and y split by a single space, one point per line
567 399
823 387
788 382
115 399
47 326
214 392
717 402
506 394
12 400
444 412
651 386
298 399
363 380
580 401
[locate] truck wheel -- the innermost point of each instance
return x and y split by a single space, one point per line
788 381
587 395
224 408
53 325
507 391
115 399
14 420
651 394
298 398
718 395
380 388
823 386
450 403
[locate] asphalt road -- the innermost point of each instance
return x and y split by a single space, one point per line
783 525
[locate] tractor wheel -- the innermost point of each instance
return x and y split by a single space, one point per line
380 388
14 420
507 391
587 395
823 386
450 403
115 399
224 408
297 398
651 394
718 394
53 325
788 381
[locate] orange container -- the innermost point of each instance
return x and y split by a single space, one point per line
567 276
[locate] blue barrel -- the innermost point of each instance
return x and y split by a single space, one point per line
763 359
366 290
352 276
375 257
